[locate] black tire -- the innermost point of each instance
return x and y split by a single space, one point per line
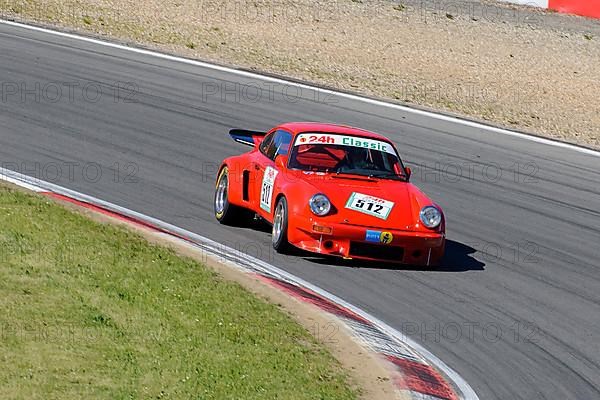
225 212
280 227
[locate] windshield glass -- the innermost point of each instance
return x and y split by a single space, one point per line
323 152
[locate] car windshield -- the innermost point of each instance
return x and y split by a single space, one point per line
342 154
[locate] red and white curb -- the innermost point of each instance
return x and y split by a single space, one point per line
586 8
420 373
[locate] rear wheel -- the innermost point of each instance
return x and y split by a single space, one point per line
225 212
280 226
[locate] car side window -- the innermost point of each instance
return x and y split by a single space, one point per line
282 142
279 143
266 144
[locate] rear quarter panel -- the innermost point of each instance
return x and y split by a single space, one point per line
236 166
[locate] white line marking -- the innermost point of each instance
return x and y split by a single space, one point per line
253 75
530 3
41 186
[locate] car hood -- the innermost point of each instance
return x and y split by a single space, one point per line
407 198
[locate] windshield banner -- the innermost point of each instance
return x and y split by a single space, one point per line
343 140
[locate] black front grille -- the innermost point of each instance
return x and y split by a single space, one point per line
381 252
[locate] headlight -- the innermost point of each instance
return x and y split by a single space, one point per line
430 216
319 204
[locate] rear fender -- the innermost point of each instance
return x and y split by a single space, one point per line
238 184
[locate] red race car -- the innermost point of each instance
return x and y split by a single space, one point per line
332 190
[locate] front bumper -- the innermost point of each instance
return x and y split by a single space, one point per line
359 242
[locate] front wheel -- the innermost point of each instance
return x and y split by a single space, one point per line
280 226
225 212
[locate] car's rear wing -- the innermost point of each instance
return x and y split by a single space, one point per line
249 138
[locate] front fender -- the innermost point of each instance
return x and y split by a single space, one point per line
418 201
297 194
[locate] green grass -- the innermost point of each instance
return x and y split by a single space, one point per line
94 311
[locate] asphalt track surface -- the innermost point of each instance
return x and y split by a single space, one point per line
515 309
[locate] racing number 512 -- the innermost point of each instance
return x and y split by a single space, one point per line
370 206
266 193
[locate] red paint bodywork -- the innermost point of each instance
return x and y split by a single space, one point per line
420 245
587 8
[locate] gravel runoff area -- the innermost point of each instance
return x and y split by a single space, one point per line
513 66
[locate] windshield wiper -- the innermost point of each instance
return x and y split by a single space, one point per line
370 175
388 175
338 172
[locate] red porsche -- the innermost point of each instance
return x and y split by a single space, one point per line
333 190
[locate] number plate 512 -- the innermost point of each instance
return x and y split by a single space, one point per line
371 205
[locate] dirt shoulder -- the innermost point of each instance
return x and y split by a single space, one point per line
512 66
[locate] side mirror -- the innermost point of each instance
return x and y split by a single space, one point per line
408 172
281 162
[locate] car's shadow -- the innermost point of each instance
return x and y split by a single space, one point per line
250 222
458 258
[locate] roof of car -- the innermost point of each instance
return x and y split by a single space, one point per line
300 127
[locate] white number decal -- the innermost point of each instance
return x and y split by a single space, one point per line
266 192
371 205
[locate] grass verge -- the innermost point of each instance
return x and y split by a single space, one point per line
91 310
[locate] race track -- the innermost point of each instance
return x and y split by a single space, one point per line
515 311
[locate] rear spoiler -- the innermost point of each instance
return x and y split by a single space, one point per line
243 136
